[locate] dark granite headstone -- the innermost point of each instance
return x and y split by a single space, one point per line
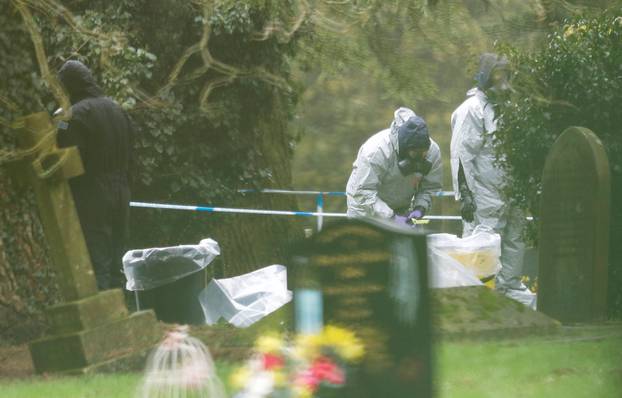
574 228
370 277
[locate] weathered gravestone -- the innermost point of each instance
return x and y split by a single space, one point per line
574 228
372 278
90 329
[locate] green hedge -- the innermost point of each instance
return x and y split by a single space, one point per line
574 79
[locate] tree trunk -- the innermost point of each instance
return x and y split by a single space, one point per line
249 242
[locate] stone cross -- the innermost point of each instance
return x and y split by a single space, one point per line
574 228
90 330
47 172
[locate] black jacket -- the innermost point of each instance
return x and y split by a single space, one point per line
103 133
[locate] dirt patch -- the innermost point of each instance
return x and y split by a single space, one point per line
15 362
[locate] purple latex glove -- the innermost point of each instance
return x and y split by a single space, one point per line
401 220
417 213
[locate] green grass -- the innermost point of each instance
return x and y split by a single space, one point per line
567 367
89 386
563 366
97 386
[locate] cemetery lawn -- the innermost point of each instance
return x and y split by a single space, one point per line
562 366
579 363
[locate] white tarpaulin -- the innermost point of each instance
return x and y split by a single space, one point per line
458 261
245 299
445 271
150 268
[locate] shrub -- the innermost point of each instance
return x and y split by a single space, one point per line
574 79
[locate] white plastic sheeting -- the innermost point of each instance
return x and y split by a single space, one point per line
463 261
523 296
245 299
457 261
444 271
150 268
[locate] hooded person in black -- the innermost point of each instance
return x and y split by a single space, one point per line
102 131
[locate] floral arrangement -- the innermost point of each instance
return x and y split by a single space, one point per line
306 366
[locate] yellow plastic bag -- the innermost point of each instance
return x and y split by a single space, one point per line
483 262
478 252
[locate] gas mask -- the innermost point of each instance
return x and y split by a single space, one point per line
413 144
499 81
417 165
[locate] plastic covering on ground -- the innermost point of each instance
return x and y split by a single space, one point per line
150 268
245 299
444 271
463 261
523 296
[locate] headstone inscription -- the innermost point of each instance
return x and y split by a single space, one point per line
370 277
574 228
90 328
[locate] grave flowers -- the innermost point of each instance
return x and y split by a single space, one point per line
307 365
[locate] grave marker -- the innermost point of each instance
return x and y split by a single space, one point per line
574 228
90 328
372 277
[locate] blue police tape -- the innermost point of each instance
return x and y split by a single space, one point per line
289 192
326 193
232 210
167 206
208 209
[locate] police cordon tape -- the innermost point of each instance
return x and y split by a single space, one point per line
319 200
232 210
208 209
319 214
325 193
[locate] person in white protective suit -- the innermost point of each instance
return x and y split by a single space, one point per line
396 172
479 181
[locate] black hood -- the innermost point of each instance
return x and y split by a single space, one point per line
487 63
413 134
78 81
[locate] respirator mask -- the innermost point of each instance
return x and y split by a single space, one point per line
409 165
414 142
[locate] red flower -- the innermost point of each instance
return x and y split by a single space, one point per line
271 361
324 369
307 379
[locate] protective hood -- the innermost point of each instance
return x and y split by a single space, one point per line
78 81
487 63
413 134
400 116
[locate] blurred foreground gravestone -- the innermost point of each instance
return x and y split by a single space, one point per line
574 228
90 330
370 276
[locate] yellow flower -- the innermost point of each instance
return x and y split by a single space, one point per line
302 392
351 352
307 346
347 345
280 378
269 344
239 378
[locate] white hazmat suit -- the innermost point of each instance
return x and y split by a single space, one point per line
473 127
377 188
